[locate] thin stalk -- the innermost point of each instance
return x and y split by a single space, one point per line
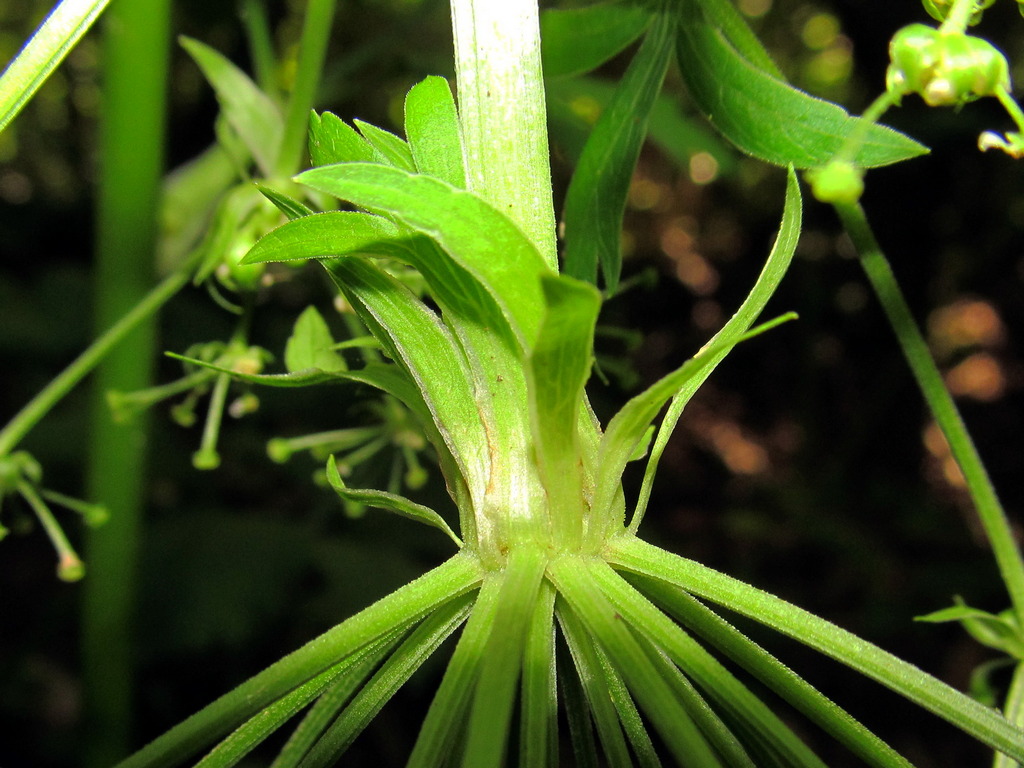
915 349
34 411
42 54
136 48
316 31
502 111
69 565
958 18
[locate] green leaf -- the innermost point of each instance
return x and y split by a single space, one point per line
764 287
724 16
388 148
597 193
574 105
323 235
445 720
306 378
478 237
728 693
247 737
627 428
656 697
766 117
324 710
393 673
538 737
558 369
981 722
416 339
389 502
432 127
596 674
286 204
43 53
495 690
577 40
332 140
251 113
311 345
400 609
999 631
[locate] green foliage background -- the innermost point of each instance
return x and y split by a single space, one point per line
849 515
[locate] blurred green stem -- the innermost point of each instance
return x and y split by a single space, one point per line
990 510
93 355
316 31
135 54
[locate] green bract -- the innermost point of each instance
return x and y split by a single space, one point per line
945 69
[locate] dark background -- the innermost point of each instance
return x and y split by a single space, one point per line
801 466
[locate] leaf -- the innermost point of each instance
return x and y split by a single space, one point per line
627 428
767 282
389 502
558 369
416 340
488 725
766 117
401 609
249 111
289 206
324 235
572 102
388 148
332 140
432 127
597 193
475 235
999 631
729 694
397 668
985 724
310 345
577 40
724 16
44 52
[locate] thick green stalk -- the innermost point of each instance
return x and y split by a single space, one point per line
990 510
135 53
501 107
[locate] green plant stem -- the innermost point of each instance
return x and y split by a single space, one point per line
503 115
990 510
958 17
1013 710
136 47
316 31
46 49
93 355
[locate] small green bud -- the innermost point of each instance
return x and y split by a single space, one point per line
206 458
416 477
279 450
945 69
70 568
837 182
96 515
